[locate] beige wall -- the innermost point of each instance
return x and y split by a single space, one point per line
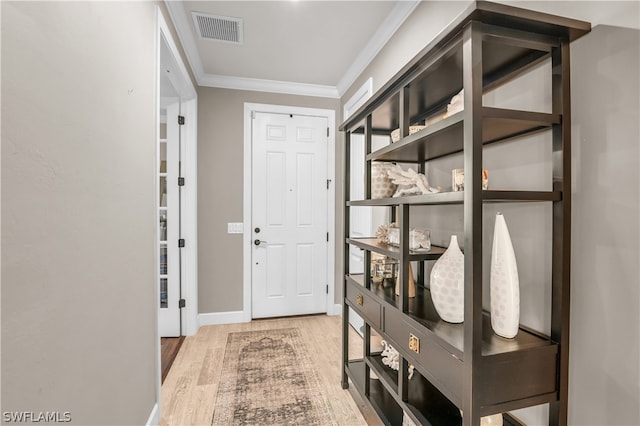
78 227
220 189
605 316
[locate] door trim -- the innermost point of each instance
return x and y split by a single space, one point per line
330 115
189 106
190 255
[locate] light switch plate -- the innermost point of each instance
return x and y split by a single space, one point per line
235 228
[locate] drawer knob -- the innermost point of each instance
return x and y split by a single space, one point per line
414 343
359 300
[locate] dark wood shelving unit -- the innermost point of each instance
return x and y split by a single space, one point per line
463 368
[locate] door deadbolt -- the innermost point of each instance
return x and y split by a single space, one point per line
257 230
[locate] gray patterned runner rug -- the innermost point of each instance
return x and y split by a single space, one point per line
268 379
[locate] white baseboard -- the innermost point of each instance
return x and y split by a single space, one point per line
216 318
154 417
335 310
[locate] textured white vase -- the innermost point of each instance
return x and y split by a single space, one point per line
504 284
447 284
381 185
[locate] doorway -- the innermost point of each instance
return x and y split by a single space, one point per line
176 244
289 209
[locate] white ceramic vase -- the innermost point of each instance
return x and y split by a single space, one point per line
447 283
381 185
504 283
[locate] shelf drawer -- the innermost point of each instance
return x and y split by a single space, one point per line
518 375
433 361
364 304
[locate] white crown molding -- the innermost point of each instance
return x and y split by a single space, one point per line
386 30
390 25
271 86
181 24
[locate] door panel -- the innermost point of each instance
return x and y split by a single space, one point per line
289 206
169 312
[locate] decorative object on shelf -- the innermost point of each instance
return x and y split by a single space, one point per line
412 284
419 239
504 283
457 179
391 358
395 135
406 420
447 283
382 233
376 343
383 269
456 104
376 347
409 182
492 420
381 184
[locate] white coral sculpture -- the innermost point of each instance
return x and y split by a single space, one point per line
391 357
382 233
409 182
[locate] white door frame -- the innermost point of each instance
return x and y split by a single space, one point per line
189 154
330 115
189 102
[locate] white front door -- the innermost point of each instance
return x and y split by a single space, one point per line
289 214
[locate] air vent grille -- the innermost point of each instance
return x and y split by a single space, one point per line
219 28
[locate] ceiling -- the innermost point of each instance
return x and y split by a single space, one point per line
314 48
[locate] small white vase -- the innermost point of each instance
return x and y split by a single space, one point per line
447 284
504 283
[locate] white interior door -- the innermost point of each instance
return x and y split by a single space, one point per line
169 211
289 214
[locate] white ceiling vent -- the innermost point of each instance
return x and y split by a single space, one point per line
218 28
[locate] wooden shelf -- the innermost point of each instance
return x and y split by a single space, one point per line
451 336
446 136
381 400
427 405
393 252
443 198
507 363
435 74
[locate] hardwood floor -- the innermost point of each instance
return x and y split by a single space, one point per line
190 388
169 347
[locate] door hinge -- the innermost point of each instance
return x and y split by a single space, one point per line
180 181
328 183
327 132
182 303
327 237
327 288
181 120
181 242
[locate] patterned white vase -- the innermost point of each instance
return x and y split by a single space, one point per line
381 185
447 284
504 284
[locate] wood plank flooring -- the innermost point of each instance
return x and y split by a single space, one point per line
169 347
190 388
